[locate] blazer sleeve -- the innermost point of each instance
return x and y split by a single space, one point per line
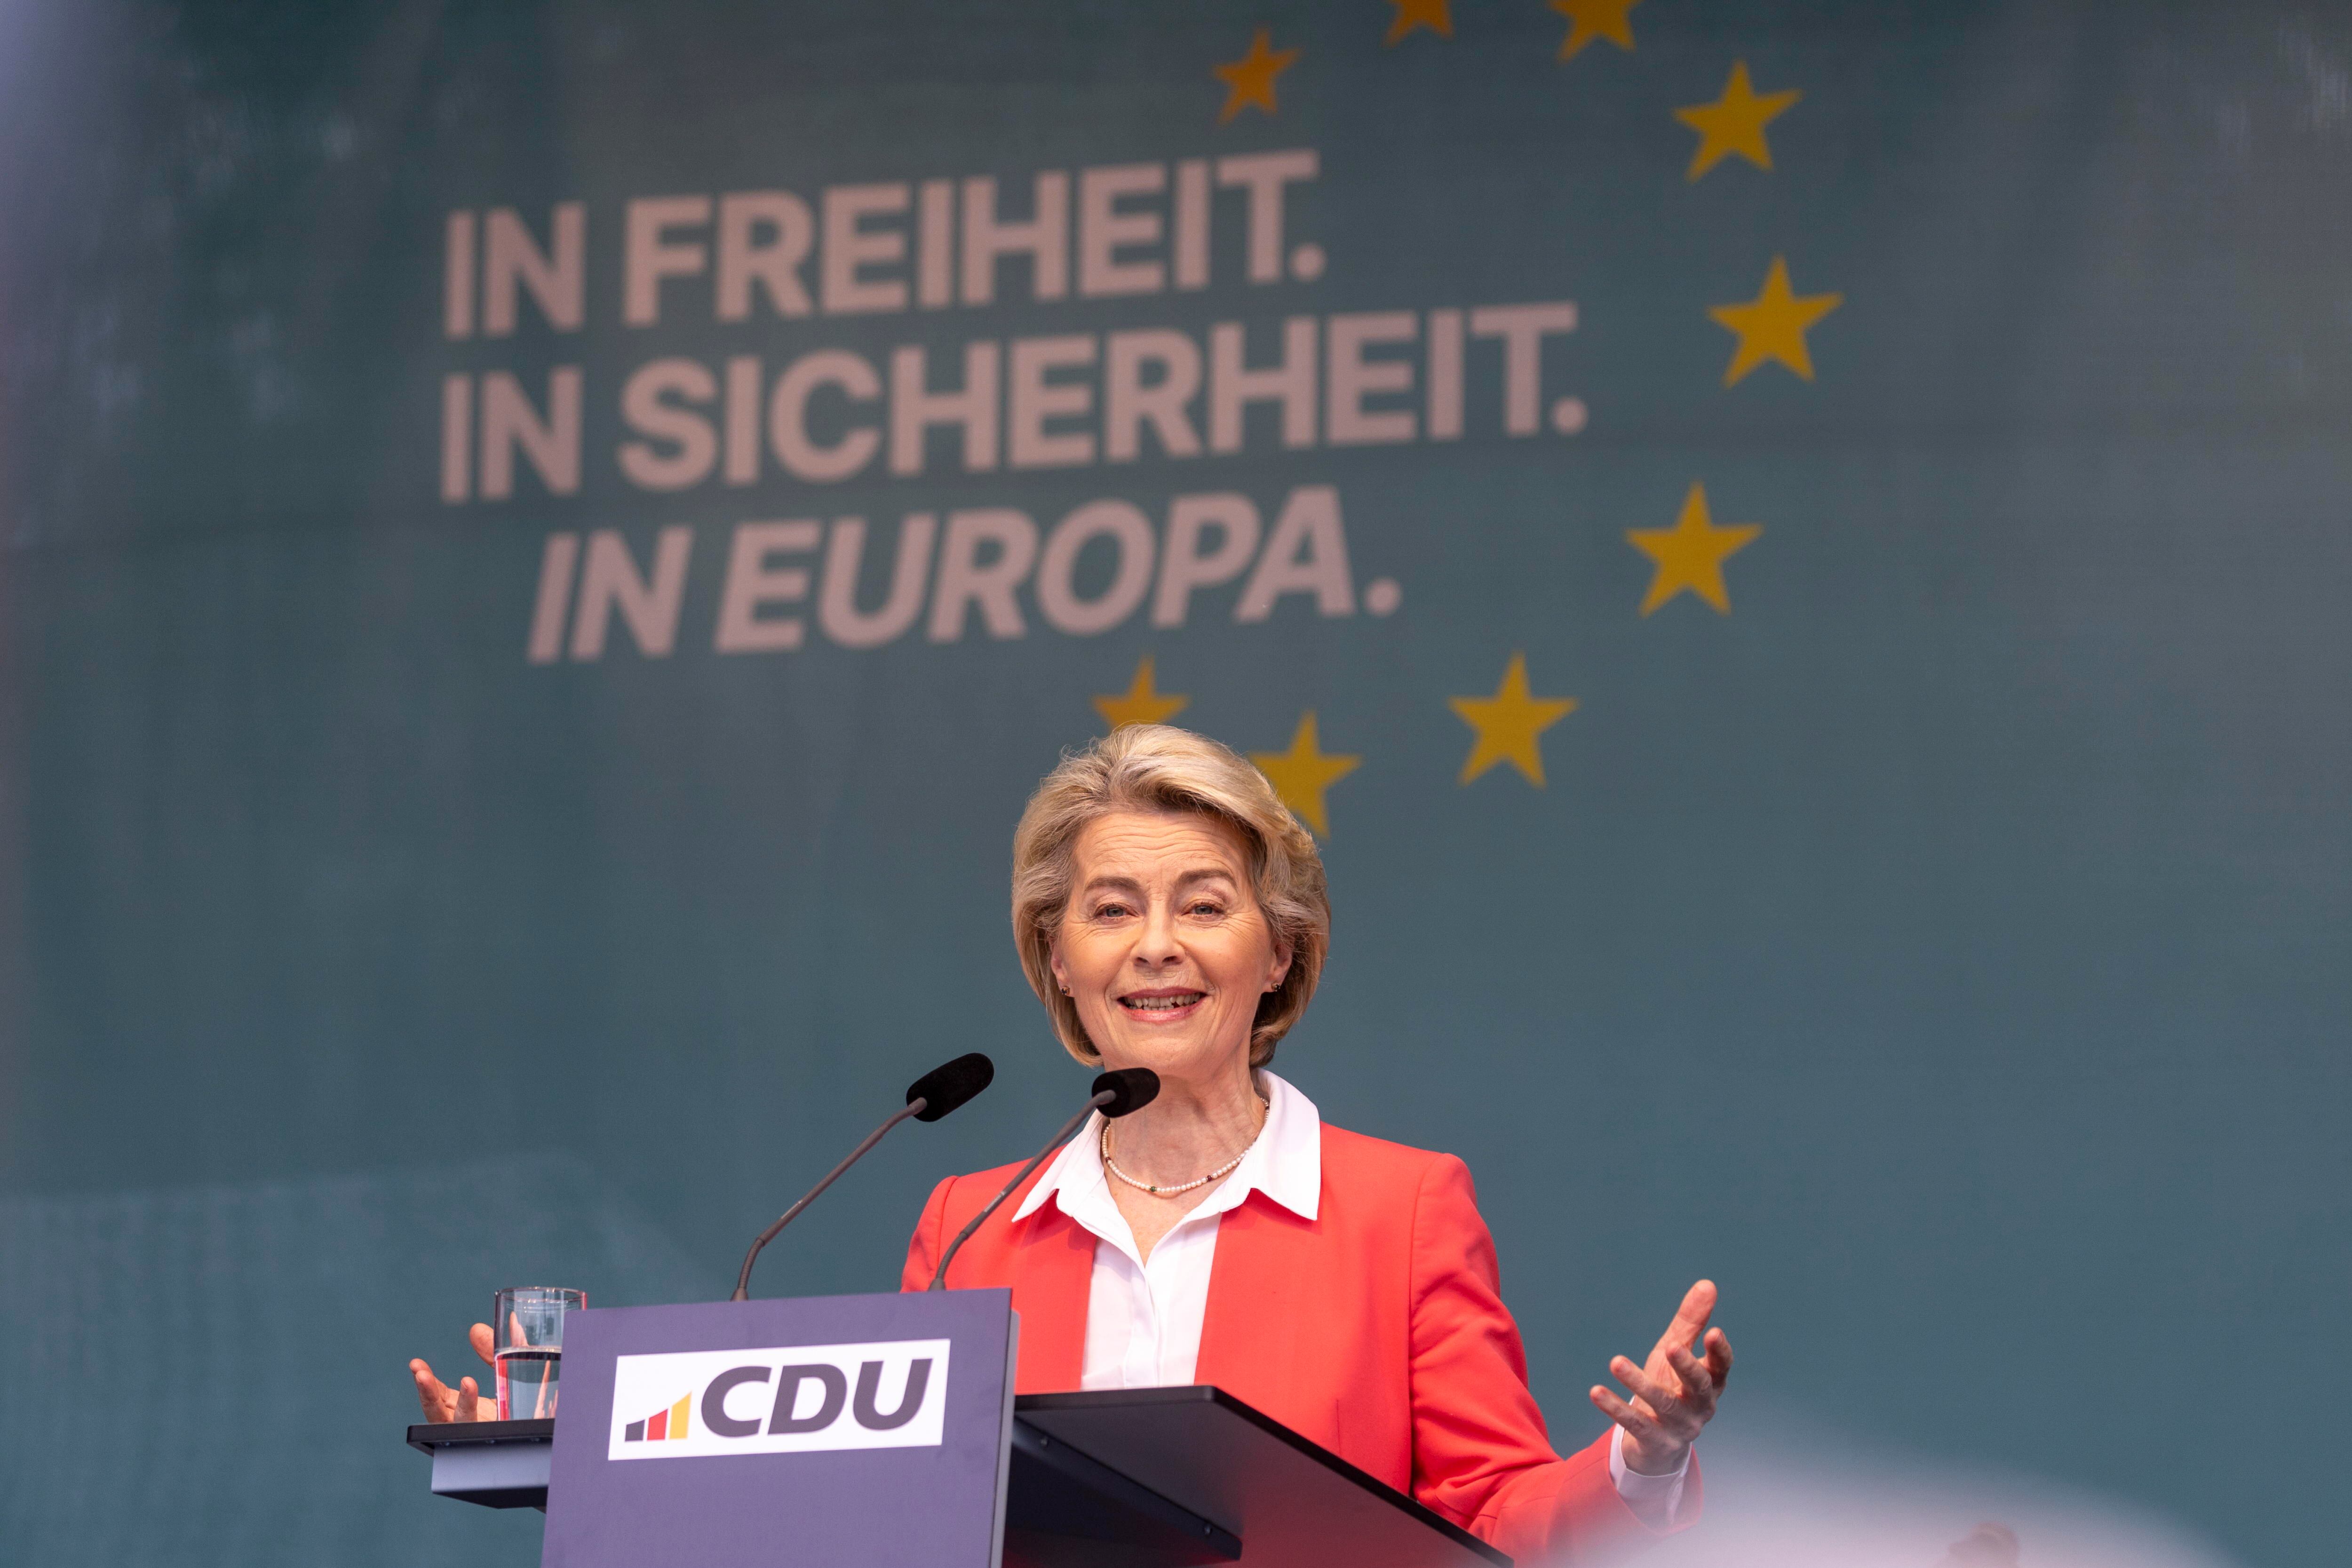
923 1248
1480 1454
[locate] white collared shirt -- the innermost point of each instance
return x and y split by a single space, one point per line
1144 1315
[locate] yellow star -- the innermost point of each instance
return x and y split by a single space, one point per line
1735 122
1595 19
1301 775
1437 16
1140 704
1690 553
1508 722
1250 80
1772 325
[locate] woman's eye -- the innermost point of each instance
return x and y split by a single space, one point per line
1109 912
1204 907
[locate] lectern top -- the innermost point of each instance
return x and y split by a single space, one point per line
1291 1500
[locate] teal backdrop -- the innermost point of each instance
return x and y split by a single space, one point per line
476 814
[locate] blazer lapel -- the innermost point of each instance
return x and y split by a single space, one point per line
1053 1273
1252 1315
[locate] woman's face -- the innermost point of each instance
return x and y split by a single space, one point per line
1163 946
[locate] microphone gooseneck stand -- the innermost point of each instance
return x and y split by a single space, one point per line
944 1089
743 1279
1116 1094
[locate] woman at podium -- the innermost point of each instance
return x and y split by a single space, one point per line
1171 914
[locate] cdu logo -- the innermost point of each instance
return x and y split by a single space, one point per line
791 1399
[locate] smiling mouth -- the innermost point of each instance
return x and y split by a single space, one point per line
1162 1002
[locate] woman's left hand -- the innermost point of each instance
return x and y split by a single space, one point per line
1674 1395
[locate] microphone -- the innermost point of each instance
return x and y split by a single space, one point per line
1116 1094
945 1087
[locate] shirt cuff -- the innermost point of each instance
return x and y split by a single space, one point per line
1656 1501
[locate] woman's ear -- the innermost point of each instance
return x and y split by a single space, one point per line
1054 963
1280 971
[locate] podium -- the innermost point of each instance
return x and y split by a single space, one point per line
1152 1478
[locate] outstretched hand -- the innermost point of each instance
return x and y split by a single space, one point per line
465 1402
1674 1395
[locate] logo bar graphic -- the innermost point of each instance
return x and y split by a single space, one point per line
662 1425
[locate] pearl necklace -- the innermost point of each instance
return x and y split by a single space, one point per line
1225 1170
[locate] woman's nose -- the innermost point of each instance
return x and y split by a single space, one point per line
1159 940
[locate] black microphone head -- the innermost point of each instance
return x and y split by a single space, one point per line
947 1087
1133 1087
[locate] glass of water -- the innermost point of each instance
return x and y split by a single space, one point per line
528 1347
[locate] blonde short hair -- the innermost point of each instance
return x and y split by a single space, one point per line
1160 768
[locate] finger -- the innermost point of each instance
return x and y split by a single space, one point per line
1698 1384
1696 1380
1678 1418
1718 1356
1653 1393
480 1334
468 1401
430 1394
1631 1418
1690 1318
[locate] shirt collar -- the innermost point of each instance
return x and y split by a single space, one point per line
1286 1163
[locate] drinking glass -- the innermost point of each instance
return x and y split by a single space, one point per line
528 1347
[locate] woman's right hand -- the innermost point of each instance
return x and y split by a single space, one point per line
465 1402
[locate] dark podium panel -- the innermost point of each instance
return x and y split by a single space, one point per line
499 1464
1291 1502
1143 1477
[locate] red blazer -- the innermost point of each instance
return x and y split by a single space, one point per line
1378 1330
